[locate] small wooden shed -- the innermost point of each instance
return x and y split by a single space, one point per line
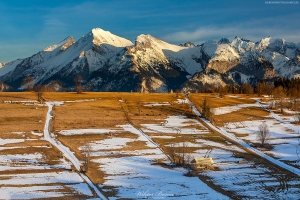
203 163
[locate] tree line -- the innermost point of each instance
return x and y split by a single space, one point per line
283 86
280 86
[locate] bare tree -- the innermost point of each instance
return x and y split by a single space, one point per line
39 91
247 88
86 150
269 88
178 154
28 82
178 91
263 133
78 84
297 116
139 105
172 152
55 85
182 154
279 94
206 111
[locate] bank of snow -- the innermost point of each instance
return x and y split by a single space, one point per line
176 125
137 178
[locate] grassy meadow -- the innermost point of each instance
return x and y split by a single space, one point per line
131 125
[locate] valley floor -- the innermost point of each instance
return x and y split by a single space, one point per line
123 146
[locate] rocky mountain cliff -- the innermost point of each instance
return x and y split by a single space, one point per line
108 62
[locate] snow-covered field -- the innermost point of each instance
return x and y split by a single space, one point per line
177 125
284 140
253 180
229 109
25 173
43 185
283 136
135 175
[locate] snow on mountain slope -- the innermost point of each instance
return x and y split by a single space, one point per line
152 49
7 67
241 45
187 59
274 44
291 49
101 36
278 61
220 52
68 57
150 41
68 40
111 63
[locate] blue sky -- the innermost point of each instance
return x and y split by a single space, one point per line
29 26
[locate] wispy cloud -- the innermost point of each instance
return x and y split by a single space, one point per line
203 34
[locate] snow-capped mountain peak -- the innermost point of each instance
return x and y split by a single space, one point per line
108 62
7 67
224 41
274 44
220 52
105 37
69 41
148 41
188 44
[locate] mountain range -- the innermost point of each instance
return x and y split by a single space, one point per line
107 62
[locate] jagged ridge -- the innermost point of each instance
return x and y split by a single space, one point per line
111 63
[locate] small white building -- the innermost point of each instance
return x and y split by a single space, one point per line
203 163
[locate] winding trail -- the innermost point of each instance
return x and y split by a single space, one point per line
242 143
65 150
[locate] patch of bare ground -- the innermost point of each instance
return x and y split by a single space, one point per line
29 171
95 174
50 155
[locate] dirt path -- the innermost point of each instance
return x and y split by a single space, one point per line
65 150
243 143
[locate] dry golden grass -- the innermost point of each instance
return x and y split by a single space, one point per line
250 113
17 96
29 171
21 118
215 102
94 114
107 111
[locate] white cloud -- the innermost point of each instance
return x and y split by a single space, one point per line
203 34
